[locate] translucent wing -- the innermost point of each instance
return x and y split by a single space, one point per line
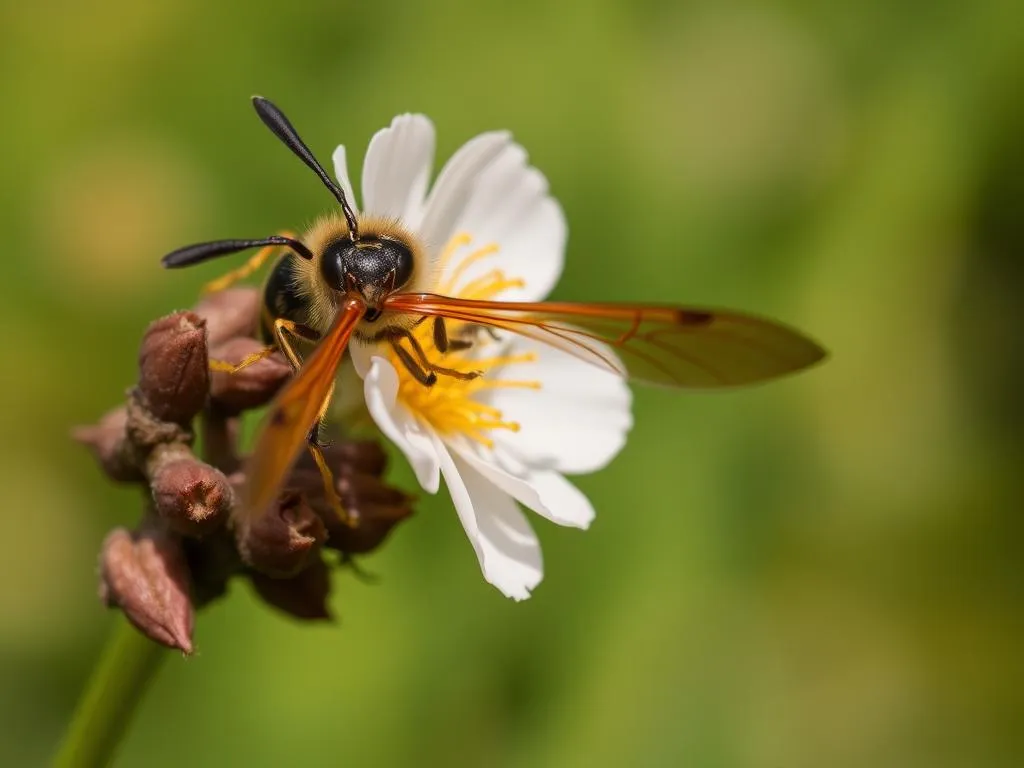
294 412
668 346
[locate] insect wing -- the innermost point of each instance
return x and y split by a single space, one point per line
667 346
294 412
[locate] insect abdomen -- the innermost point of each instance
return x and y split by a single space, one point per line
281 298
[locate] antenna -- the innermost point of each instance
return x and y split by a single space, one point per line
194 254
275 120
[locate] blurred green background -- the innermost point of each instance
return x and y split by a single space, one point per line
822 572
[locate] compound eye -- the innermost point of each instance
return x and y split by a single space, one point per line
401 260
334 264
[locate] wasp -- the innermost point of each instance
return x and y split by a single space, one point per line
358 279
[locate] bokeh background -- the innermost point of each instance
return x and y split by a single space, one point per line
825 571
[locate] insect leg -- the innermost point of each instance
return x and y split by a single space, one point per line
281 326
283 329
317 452
245 362
422 376
440 335
402 333
443 341
254 263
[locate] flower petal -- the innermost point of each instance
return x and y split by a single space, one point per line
563 502
341 174
510 207
576 422
505 545
455 185
397 169
544 491
380 388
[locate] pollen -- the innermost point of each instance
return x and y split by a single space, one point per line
452 406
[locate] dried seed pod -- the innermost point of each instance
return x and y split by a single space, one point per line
303 596
283 540
190 495
253 386
365 456
145 432
107 441
374 521
212 562
145 574
230 313
375 507
173 368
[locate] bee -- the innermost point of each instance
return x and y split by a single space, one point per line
358 279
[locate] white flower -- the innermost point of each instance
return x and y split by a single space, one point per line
491 231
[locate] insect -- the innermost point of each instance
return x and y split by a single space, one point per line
362 280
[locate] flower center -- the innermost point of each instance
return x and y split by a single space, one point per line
450 406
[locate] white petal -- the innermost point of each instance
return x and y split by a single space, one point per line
397 169
380 388
565 503
576 422
341 174
510 207
362 355
544 491
505 545
455 185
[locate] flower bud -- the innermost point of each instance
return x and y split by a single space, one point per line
251 387
145 432
173 367
193 497
303 596
212 562
374 519
282 541
106 441
374 507
229 313
357 455
145 574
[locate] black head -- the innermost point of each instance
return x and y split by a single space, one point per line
373 266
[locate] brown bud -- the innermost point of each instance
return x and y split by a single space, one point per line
374 523
364 456
173 367
282 541
220 441
303 596
145 431
193 497
374 506
251 387
145 574
229 313
212 561
106 441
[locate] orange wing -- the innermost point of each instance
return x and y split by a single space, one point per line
294 412
668 346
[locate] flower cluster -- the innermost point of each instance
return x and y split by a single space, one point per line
189 544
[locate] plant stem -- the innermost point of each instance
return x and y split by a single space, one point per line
117 684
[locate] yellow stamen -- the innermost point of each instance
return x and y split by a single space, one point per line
465 264
449 406
454 244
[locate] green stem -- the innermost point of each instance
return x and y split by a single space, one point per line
105 709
